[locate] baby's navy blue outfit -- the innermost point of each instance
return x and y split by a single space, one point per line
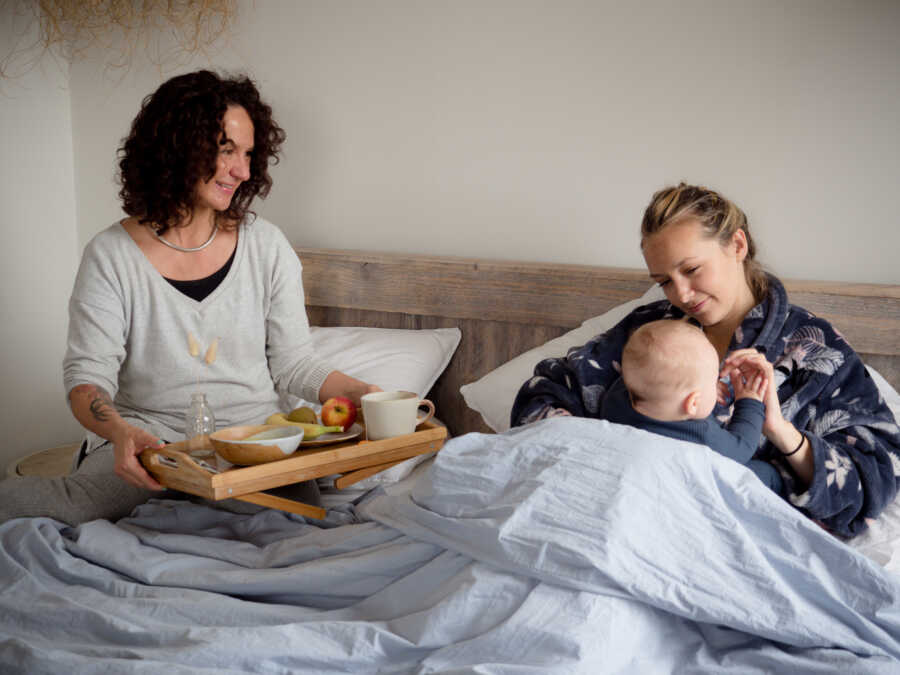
739 440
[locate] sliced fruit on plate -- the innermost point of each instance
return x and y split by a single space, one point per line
310 431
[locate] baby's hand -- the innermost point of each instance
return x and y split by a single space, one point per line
751 384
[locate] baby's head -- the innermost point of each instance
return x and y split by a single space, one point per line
670 369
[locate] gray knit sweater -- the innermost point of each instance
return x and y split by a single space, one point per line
128 333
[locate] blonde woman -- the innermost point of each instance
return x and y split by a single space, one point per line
827 430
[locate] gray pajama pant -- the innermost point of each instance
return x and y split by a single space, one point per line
94 491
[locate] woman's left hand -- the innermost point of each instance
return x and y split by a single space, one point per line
790 442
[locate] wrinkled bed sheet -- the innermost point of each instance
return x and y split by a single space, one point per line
569 545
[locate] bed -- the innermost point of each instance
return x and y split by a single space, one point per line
539 549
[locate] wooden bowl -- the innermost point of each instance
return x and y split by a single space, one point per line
232 446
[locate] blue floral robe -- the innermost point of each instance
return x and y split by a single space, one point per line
823 386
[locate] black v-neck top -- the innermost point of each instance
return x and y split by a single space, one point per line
198 289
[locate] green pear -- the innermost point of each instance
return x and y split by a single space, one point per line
303 414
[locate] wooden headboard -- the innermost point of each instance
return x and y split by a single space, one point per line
505 308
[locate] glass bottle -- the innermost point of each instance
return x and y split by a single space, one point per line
199 422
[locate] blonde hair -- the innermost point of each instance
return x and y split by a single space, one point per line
663 357
718 217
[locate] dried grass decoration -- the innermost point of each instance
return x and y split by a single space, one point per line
168 31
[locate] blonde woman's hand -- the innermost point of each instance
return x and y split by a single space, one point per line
129 442
744 366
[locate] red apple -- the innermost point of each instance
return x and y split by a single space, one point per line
338 412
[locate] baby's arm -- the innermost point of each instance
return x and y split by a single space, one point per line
743 432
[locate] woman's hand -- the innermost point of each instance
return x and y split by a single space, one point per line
743 366
357 393
93 407
371 389
794 446
340 384
128 442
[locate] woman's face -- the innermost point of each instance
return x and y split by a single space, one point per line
700 276
232 164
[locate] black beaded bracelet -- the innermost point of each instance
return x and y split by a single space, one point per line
797 449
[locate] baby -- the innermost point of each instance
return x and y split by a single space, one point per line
668 386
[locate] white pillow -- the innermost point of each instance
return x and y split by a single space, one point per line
392 358
492 396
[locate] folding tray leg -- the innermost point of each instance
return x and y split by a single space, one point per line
289 505
359 474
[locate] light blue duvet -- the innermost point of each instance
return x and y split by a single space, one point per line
570 546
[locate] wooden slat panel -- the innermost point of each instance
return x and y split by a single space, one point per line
868 315
820 288
465 288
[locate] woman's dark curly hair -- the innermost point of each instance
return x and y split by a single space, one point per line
174 143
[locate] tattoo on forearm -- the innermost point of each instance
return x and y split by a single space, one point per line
101 405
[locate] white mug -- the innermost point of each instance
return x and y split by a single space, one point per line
393 413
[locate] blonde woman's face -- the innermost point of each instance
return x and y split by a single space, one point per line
699 276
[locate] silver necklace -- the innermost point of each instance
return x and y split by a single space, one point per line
188 250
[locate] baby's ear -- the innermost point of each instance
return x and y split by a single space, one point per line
690 402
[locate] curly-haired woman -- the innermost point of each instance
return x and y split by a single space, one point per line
827 429
191 266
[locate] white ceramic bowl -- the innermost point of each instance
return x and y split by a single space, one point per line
256 444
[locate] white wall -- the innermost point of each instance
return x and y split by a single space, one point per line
498 128
38 256
535 130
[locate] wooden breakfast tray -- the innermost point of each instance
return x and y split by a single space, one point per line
355 460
